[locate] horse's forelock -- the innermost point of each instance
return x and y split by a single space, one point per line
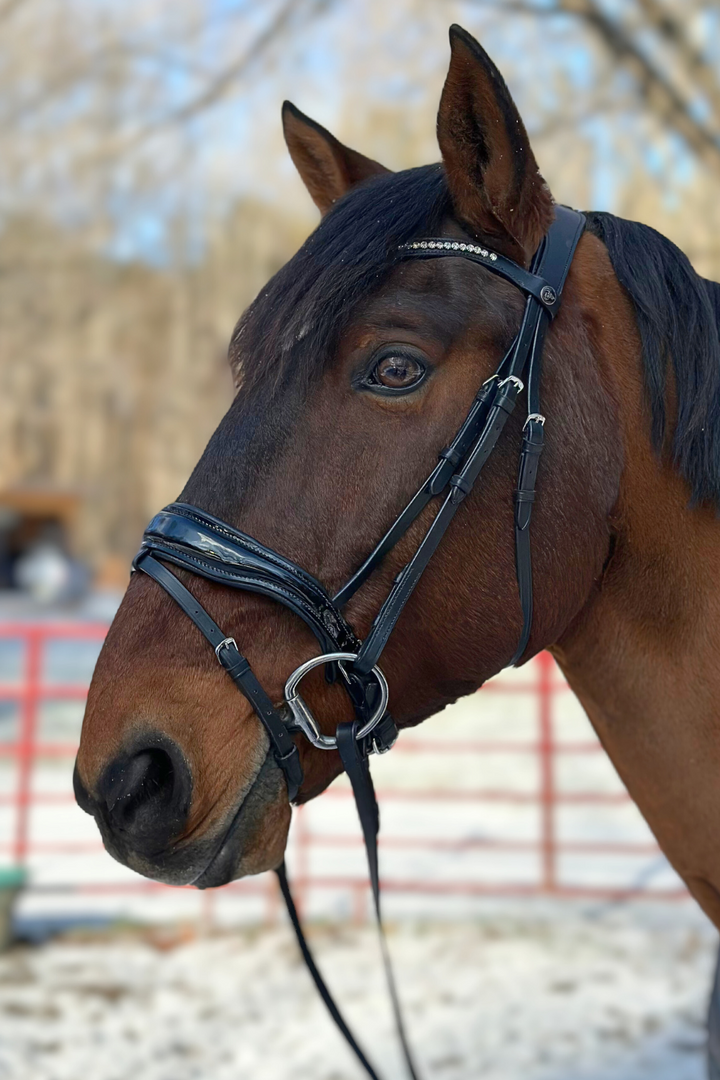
290 331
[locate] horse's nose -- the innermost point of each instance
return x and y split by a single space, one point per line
144 796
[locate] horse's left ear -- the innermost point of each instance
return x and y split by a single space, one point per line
328 169
495 185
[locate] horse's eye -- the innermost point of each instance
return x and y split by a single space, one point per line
396 371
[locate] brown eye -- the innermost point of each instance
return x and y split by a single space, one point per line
395 372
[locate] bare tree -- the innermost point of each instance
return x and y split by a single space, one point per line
120 121
673 76
97 103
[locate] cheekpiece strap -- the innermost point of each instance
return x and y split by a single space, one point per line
520 367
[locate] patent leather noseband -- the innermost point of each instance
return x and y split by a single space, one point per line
187 537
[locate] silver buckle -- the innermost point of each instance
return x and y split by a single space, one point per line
305 720
513 379
535 416
223 644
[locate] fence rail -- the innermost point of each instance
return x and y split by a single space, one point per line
26 751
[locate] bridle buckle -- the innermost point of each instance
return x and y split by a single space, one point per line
516 382
224 644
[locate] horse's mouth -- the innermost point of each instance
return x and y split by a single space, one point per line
244 848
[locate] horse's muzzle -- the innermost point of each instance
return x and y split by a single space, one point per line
141 801
141 805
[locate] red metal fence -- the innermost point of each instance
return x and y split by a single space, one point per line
315 851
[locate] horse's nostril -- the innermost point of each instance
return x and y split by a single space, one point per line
146 796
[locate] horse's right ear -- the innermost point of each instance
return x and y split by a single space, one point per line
495 185
327 168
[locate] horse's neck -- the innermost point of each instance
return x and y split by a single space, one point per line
643 656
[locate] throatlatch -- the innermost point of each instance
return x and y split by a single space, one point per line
187 537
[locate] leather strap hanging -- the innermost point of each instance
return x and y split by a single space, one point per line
316 976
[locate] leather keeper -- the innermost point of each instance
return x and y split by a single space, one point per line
487 389
533 441
460 488
235 664
290 765
506 398
383 737
449 459
448 454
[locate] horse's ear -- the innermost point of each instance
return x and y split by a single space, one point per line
494 181
327 168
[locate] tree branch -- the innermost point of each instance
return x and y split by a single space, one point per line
672 31
654 88
220 84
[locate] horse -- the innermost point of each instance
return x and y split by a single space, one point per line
352 368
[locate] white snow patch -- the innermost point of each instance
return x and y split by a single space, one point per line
564 997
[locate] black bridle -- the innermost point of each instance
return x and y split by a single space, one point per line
187 537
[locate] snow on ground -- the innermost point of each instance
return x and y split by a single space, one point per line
559 996
498 988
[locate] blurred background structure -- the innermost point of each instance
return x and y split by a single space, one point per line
145 196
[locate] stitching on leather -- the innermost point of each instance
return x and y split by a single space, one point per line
184 557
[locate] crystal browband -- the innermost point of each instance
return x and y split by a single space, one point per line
449 245
529 282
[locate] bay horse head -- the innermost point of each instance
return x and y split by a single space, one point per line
356 364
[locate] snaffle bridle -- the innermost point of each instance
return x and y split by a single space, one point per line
188 537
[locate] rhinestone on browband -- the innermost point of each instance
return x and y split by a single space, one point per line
448 245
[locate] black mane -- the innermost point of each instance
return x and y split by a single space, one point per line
291 328
678 316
